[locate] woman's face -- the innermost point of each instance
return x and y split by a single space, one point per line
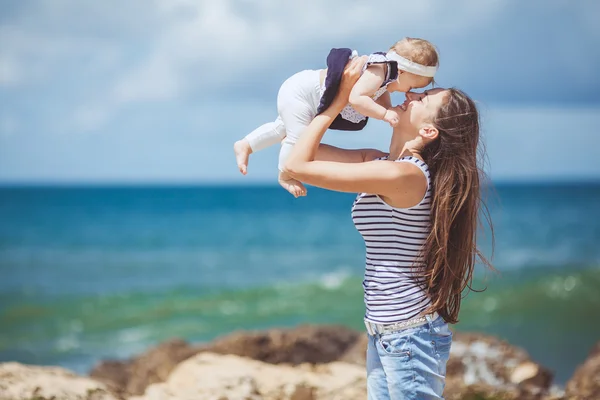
420 108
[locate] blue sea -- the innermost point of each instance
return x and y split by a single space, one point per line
90 273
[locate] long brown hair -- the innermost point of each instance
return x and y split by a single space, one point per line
450 251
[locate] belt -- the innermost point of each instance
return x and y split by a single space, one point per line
384 329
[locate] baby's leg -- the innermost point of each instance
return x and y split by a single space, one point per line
262 137
297 104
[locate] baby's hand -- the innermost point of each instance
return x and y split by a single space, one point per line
392 118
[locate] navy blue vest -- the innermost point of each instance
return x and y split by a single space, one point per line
336 62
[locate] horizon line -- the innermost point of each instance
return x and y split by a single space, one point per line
259 183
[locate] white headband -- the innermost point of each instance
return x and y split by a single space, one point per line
412 67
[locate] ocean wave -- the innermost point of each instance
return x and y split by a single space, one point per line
536 309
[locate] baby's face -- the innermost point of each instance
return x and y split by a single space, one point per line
407 81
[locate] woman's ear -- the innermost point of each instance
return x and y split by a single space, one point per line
429 132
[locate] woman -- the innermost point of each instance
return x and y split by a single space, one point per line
417 210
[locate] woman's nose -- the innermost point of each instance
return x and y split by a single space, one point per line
411 96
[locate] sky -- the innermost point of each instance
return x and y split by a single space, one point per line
157 91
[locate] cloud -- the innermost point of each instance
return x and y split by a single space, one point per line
204 50
206 45
159 51
147 68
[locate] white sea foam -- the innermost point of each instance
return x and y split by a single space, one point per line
133 335
490 304
561 287
334 280
67 342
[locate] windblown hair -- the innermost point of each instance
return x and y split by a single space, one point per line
450 251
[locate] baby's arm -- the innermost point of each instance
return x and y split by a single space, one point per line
367 85
385 100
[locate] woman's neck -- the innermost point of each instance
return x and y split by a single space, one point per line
400 147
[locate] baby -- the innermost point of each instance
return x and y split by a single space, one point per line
410 63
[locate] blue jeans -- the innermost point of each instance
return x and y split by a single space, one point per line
409 364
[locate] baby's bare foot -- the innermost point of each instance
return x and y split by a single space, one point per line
296 188
242 151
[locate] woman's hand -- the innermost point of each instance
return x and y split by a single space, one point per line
352 72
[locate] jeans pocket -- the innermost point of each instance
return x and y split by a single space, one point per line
442 341
395 346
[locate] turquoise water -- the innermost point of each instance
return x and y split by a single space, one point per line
94 273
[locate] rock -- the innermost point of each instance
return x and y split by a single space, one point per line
357 353
303 344
155 365
479 365
298 392
115 374
585 383
19 382
524 372
482 365
215 376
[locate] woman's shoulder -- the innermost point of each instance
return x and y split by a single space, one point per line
410 171
413 160
415 183
417 162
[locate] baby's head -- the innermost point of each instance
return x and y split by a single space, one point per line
418 72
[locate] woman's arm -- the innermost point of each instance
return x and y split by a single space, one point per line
385 178
327 152
380 177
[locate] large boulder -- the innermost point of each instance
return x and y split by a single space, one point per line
302 344
314 344
32 382
485 366
585 383
213 376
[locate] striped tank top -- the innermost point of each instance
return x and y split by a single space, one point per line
393 282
